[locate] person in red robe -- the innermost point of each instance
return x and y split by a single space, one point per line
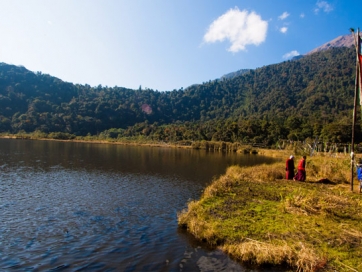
289 168
301 174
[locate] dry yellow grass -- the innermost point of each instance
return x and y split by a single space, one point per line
301 256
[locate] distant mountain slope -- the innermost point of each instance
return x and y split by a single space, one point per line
235 74
341 41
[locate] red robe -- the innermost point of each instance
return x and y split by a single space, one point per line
301 174
289 168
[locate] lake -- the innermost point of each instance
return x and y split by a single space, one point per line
102 207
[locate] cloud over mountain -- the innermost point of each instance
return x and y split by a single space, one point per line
240 28
291 54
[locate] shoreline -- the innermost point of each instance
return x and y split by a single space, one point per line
98 142
214 146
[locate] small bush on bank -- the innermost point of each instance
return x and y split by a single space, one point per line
61 136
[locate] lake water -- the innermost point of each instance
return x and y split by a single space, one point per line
102 207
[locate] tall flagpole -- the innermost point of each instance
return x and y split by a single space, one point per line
357 44
358 71
354 104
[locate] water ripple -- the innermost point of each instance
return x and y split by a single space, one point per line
86 207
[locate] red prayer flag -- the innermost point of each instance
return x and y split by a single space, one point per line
360 54
360 67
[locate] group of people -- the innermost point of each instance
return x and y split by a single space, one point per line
289 168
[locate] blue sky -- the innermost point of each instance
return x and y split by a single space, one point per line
164 44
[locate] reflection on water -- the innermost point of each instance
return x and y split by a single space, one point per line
100 207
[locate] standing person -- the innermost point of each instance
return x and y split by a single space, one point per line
301 174
289 168
359 174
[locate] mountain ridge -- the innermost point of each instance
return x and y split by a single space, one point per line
307 98
340 41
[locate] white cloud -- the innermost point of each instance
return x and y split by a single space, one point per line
302 15
241 28
283 16
284 29
291 54
323 5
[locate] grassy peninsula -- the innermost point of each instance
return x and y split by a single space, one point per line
259 218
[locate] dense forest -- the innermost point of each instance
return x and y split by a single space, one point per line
296 100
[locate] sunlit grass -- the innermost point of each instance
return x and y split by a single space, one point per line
258 217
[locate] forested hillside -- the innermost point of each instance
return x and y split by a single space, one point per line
298 99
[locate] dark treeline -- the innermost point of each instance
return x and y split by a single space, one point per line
306 98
